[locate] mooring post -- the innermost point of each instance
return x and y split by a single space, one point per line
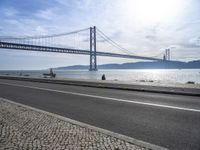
93 57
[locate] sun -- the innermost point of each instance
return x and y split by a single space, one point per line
154 11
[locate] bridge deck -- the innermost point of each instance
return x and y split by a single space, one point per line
28 47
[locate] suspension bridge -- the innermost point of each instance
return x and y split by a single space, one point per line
89 41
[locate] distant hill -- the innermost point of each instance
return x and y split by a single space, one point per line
141 65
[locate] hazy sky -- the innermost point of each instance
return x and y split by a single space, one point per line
144 27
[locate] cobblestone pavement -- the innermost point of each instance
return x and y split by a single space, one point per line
22 128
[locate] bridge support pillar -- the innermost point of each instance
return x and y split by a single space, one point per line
93 57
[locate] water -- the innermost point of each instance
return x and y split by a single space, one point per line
164 76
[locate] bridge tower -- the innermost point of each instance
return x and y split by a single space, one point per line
167 54
93 56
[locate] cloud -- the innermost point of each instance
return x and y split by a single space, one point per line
192 43
150 37
41 30
10 12
188 25
47 14
195 41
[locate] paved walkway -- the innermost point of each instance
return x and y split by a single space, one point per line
25 128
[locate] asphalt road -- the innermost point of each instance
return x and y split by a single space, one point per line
171 121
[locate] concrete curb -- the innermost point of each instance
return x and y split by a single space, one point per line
100 84
106 132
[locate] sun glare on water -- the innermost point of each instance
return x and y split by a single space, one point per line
154 11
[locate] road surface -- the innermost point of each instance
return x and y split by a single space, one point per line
171 121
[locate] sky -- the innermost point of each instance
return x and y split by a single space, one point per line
143 27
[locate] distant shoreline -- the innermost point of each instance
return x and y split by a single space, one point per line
140 65
22 70
126 66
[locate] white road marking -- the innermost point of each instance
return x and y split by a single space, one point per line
107 98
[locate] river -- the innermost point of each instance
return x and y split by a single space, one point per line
162 76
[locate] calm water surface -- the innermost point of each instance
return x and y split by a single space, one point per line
165 76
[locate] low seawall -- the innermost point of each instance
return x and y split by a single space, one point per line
112 85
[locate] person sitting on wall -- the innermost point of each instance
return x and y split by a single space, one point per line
103 77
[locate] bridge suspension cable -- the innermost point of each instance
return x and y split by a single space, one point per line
113 43
159 55
75 39
43 36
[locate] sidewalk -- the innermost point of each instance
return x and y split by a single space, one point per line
24 127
